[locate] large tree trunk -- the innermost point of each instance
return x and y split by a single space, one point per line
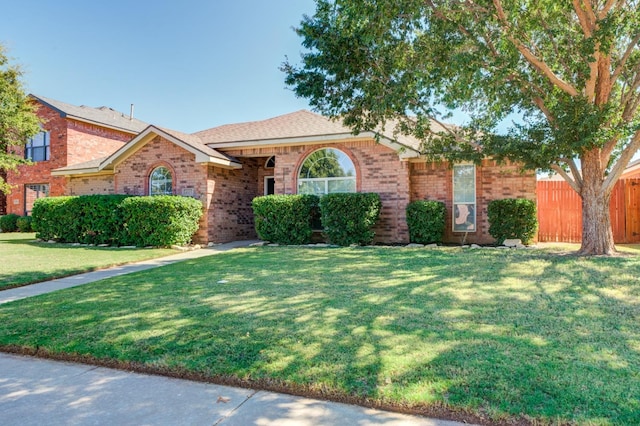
597 236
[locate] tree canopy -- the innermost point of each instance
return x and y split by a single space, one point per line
18 121
571 69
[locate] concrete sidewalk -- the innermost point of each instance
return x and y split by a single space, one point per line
43 392
89 277
36 391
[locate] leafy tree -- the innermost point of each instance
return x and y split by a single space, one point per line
18 121
570 68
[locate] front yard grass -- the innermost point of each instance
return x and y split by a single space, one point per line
25 261
503 335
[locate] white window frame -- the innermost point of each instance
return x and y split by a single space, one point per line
266 163
41 190
473 204
151 181
327 179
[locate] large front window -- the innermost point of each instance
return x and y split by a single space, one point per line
160 182
464 198
38 149
327 171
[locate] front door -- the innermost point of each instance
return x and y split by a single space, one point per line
269 185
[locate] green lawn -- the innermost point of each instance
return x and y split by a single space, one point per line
25 261
500 333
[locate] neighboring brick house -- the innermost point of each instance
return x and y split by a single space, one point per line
70 135
302 152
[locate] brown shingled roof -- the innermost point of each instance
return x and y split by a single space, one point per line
297 125
196 142
103 116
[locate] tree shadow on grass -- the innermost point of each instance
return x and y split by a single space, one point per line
504 334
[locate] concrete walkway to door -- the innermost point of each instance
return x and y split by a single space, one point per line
89 277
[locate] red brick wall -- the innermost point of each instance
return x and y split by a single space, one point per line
86 142
3 197
230 215
435 182
378 169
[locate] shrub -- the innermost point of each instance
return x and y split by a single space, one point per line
426 221
24 224
161 220
348 218
54 219
285 219
9 223
98 218
117 219
512 218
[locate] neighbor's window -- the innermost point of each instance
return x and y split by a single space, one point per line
160 182
327 171
464 198
32 192
37 149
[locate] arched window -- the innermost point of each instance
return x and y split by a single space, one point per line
160 182
270 163
327 171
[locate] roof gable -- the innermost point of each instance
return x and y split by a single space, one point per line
190 143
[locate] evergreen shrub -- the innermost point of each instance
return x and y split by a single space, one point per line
117 219
9 223
348 218
426 221
285 219
24 224
513 218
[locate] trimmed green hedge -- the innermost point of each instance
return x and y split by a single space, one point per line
117 219
426 221
9 223
347 218
161 220
512 218
285 219
24 224
52 219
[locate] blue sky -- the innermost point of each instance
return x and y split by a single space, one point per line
187 65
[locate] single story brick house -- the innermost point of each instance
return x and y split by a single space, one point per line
227 166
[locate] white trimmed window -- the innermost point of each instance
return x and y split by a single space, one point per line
160 182
38 148
32 192
464 198
327 171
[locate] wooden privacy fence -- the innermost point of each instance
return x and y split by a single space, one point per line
560 212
